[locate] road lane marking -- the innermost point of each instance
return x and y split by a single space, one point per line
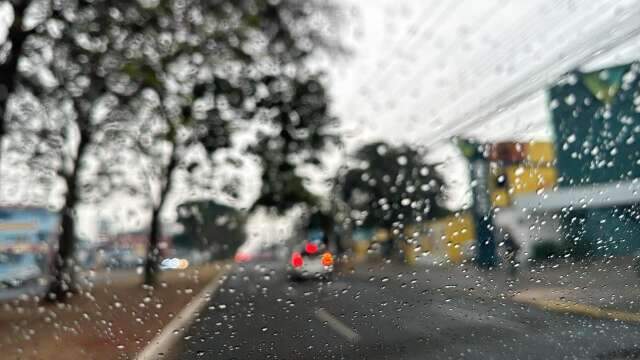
462 314
167 339
337 325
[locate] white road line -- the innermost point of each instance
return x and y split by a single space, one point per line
160 346
337 325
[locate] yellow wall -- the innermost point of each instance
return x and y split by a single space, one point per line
458 231
445 238
500 198
449 237
542 153
360 249
525 179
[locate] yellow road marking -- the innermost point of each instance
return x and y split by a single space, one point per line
581 309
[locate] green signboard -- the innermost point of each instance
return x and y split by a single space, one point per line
596 119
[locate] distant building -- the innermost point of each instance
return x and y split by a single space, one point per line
596 118
515 172
28 237
137 241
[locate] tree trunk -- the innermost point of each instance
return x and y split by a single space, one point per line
151 265
63 284
153 252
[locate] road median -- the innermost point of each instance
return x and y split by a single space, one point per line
112 317
165 343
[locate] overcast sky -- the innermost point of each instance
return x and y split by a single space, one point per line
423 71
420 70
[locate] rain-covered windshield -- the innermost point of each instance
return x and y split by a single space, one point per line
310 179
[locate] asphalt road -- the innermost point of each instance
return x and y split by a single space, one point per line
389 313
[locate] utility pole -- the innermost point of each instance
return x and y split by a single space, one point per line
475 153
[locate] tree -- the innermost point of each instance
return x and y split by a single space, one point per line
17 34
201 69
167 142
294 104
76 111
162 79
391 186
187 103
221 236
297 107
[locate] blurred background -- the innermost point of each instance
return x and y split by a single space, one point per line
151 148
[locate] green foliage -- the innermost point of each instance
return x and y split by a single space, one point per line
143 73
149 83
391 185
469 148
297 108
211 226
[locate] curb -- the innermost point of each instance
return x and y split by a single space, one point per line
164 342
571 307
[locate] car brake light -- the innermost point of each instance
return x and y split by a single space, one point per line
327 259
311 248
296 259
242 257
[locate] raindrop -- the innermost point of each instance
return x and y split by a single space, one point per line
570 100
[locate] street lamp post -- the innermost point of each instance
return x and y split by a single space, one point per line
481 209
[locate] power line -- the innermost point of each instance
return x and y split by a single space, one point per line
574 20
490 13
449 9
486 64
469 93
534 86
399 45
486 17
543 67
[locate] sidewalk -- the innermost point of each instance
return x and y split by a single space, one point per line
608 289
113 317
602 289
599 288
